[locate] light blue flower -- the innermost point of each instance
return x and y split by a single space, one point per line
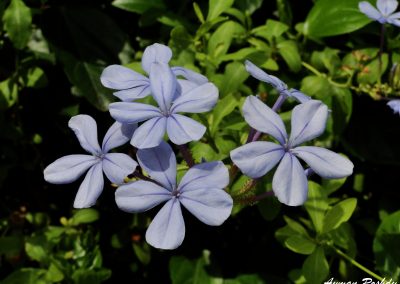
394 105
275 82
132 85
116 166
200 192
289 183
385 12
166 117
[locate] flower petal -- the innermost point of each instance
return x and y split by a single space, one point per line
324 162
69 168
259 116
182 129
85 129
117 166
299 96
387 7
128 112
369 10
205 175
163 85
184 86
140 196
138 92
259 74
201 99
149 134
118 134
394 105
290 182
160 163
211 206
90 188
255 159
394 16
190 75
155 53
118 77
167 230
308 121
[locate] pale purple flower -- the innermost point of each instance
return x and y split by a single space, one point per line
385 12
289 183
132 85
200 192
116 166
166 118
275 82
394 105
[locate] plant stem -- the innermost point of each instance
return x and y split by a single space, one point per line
186 155
382 42
357 264
311 68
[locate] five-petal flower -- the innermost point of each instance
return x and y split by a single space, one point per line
166 118
116 166
289 183
385 12
275 82
200 192
131 85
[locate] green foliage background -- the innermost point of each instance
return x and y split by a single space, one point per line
52 54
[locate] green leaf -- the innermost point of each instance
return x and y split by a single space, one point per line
285 11
221 39
142 252
342 107
386 244
86 80
198 12
339 214
249 6
245 279
217 7
316 205
370 73
334 17
234 76
184 271
54 274
315 86
272 29
35 248
300 244
315 268
84 216
222 109
8 94
269 208
290 53
84 276
331 185
26 276
11 245
17 21
35 78
295 226
139 6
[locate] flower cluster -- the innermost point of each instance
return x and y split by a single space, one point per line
203 188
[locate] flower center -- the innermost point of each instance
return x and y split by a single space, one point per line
176 193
